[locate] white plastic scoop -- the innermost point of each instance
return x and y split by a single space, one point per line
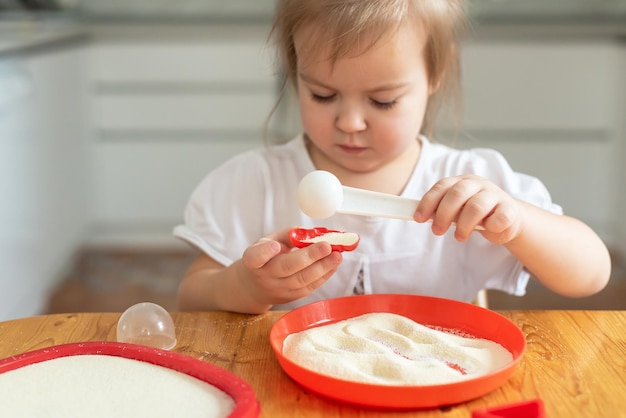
321 195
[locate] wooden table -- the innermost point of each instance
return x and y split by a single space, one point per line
575 360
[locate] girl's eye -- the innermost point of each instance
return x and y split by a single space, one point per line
383 105
322 99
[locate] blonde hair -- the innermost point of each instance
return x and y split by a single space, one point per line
343 24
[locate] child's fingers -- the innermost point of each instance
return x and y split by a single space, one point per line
316 274
296 274
298 260
260 253
318 281
506 217
453 203
474 212
431 199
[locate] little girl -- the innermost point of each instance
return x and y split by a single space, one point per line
370 75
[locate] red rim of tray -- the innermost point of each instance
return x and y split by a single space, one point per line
246 404
436 312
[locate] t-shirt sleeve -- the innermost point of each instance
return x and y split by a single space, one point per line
229 196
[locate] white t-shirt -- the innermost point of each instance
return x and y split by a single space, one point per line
254 194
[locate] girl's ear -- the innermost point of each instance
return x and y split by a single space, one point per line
433 87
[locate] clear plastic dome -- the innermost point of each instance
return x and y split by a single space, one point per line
148 324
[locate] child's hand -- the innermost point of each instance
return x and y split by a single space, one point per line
470 201
274 273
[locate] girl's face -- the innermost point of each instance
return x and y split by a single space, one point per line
364 110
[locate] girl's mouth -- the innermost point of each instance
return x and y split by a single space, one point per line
351 149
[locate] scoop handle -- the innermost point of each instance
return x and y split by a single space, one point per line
369 203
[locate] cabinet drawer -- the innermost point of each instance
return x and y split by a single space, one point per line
548 85
186 112
145 183
176 61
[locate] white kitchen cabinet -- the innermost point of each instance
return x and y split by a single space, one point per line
552 108
166 112
43 214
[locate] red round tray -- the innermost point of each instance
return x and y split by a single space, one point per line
449 314
246 404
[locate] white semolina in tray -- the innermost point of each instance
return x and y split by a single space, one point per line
130 381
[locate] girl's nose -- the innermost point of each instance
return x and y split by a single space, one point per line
350 120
